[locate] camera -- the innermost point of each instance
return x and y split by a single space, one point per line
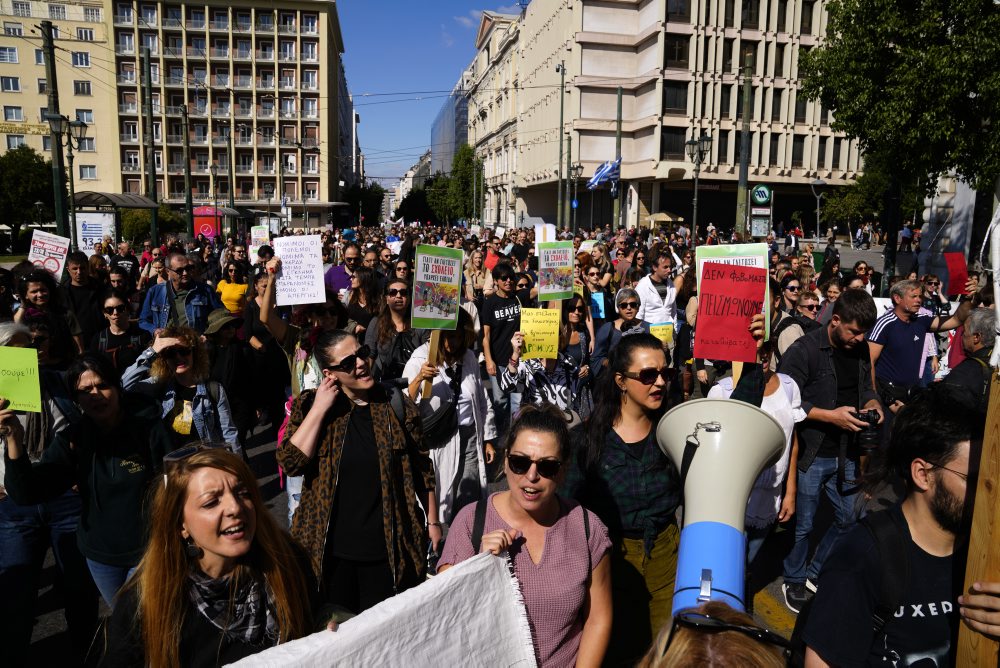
869 437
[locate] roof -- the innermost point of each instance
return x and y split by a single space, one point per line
118 200
487 22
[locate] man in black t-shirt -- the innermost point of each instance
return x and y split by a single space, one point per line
929 449
127 260
81 295
519 251
500 318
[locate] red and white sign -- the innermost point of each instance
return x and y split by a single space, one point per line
49 252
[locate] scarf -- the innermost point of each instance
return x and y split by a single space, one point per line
245 615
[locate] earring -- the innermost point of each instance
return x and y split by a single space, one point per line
192 551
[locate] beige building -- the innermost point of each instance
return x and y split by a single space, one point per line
677 62
260 86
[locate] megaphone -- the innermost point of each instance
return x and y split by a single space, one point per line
720 446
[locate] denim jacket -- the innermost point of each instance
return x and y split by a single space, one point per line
809 362
200 301
212 421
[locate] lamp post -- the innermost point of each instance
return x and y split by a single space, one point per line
269 191
514 192
697 152
214 169
817 183
39 206
561 69
577 171
75 131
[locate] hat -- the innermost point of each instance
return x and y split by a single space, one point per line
219 318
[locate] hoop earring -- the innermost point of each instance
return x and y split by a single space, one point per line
193 551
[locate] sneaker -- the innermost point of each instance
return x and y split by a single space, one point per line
810 585
795 596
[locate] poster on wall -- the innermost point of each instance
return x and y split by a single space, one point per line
206 221
92 227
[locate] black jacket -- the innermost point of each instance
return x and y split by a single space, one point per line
973 375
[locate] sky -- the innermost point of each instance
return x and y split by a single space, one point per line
396 51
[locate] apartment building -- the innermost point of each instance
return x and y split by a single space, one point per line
450 129
86 84
678 63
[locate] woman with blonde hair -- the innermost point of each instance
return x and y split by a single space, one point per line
219 580
601 260
475 277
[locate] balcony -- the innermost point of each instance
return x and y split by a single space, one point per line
174 110
195 25
244 169
242 54
175 139
173 51
173 23
220 141
266 171
175 168
127 79
177 196
200 168
220 52
196 52
286 83
130 168
198 79
310 85
132 108
124 19
265 26
310 29
197 111
289 113
265 55
265 113
244 112
129 138
242 26
244 197
286 56
310 113
124 49
175 80
199 140
220 24
243 81
265 84
310 142
244 141
309 57
287 28
222 80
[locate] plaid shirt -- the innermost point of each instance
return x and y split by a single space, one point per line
634 489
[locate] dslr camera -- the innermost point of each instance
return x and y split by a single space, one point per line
869 438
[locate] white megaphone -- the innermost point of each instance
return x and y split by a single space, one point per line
720 446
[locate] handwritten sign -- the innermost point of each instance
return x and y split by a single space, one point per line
958 273
19 379
300 280
541 332
663 331
260 235
747 255
436 287
730 295
587 246
49 251
555 270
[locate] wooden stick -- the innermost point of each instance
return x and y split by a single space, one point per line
432 358
983 563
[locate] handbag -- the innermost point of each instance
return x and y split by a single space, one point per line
442 424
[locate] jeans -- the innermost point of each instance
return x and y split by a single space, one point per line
755 540
109 579
821 476
504 406
293 488
26 532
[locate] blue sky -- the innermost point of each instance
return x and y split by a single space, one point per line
412 50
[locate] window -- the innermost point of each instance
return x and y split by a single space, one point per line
800 108
751 13
13 114
676 49
781 19
309 50
772 158
726 103
22 9
10 84
8 54
675 97
87 144
679 11
46 143
723 145
39 57
806 25
727 54
57 12
81 59
15 141
88 172
42 113
776 106
729 11
13 29
837 151
739 101
92 14
81 88
821 154
312 163
148 14
672 143
85 115
798 148
310 23
43 86
85 34
310 107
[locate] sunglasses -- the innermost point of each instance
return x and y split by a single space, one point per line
182 270
593 273
711 624
171 354
520 464
171 459
793 288
648 376
402 267
350 363
810 307
111 310
396 292
932 282
504 279
578 309
628 306
522 286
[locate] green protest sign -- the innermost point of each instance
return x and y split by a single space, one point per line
438 282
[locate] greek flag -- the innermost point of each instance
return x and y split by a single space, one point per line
609 171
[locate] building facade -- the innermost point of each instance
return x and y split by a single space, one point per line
451 127
415 177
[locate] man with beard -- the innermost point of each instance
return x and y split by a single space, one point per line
928 452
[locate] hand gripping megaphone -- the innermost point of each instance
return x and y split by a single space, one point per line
720 446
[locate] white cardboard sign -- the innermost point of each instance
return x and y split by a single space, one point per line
49 251
300 280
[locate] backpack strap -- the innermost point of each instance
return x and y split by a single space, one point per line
396 402
478 524
102 340
894 566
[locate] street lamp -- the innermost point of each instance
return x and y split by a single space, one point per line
75 131
697 152
214 169
817 183
269 191
39 207
577 172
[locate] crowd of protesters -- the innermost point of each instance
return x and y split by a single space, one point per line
157 367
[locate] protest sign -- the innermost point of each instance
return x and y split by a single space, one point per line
587 246
260 235
958 274
544 232
436 286
19 379
49 251
555 270
663 331
729 297
747 255
300 280
92 227
540 327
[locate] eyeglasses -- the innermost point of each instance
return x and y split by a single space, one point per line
932 282
793 288
520 464
171 354
182 270
396 292
504 279
403 268
350 363
628 306
593 273
648 376
810 307
111 310
711 625
963 476
578 309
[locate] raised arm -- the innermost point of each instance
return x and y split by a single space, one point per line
268 315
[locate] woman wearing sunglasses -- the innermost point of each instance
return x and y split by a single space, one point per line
220 580
622 475
367 474
390 337
790 289
232 287
121 341
174 371
610 334
558 549
110 454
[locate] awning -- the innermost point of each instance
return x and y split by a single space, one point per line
666 217
117 200
220 211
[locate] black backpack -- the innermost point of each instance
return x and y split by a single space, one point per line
894 573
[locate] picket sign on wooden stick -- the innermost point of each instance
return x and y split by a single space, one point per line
432 358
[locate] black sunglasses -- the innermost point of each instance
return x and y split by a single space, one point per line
170 354
350 363
810 307
111 310
628 305
522 286
648 376
182 270
710 624
396 292
792 288
519 465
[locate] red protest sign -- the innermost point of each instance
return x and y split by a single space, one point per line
958 273
729 296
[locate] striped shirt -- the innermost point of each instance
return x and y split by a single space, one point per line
903 347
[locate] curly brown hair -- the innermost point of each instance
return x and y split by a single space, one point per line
161 370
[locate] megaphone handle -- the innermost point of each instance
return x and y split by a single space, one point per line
705 593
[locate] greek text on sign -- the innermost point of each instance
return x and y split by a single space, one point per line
301 278
436 286
49 251
541 332
729 297
555 270
760 211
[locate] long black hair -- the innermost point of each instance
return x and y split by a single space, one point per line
607 394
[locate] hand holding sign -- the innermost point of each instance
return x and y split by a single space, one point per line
729 298
19 384
540 328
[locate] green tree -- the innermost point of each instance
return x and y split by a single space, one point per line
439 199
136 223
369 197
465 170
25 178
415 207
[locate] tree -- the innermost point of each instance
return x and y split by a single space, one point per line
136 223
465 170
439 198
25 178
369 196
415 207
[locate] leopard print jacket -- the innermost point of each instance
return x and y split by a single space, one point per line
407 474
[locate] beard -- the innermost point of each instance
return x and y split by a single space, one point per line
947 509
